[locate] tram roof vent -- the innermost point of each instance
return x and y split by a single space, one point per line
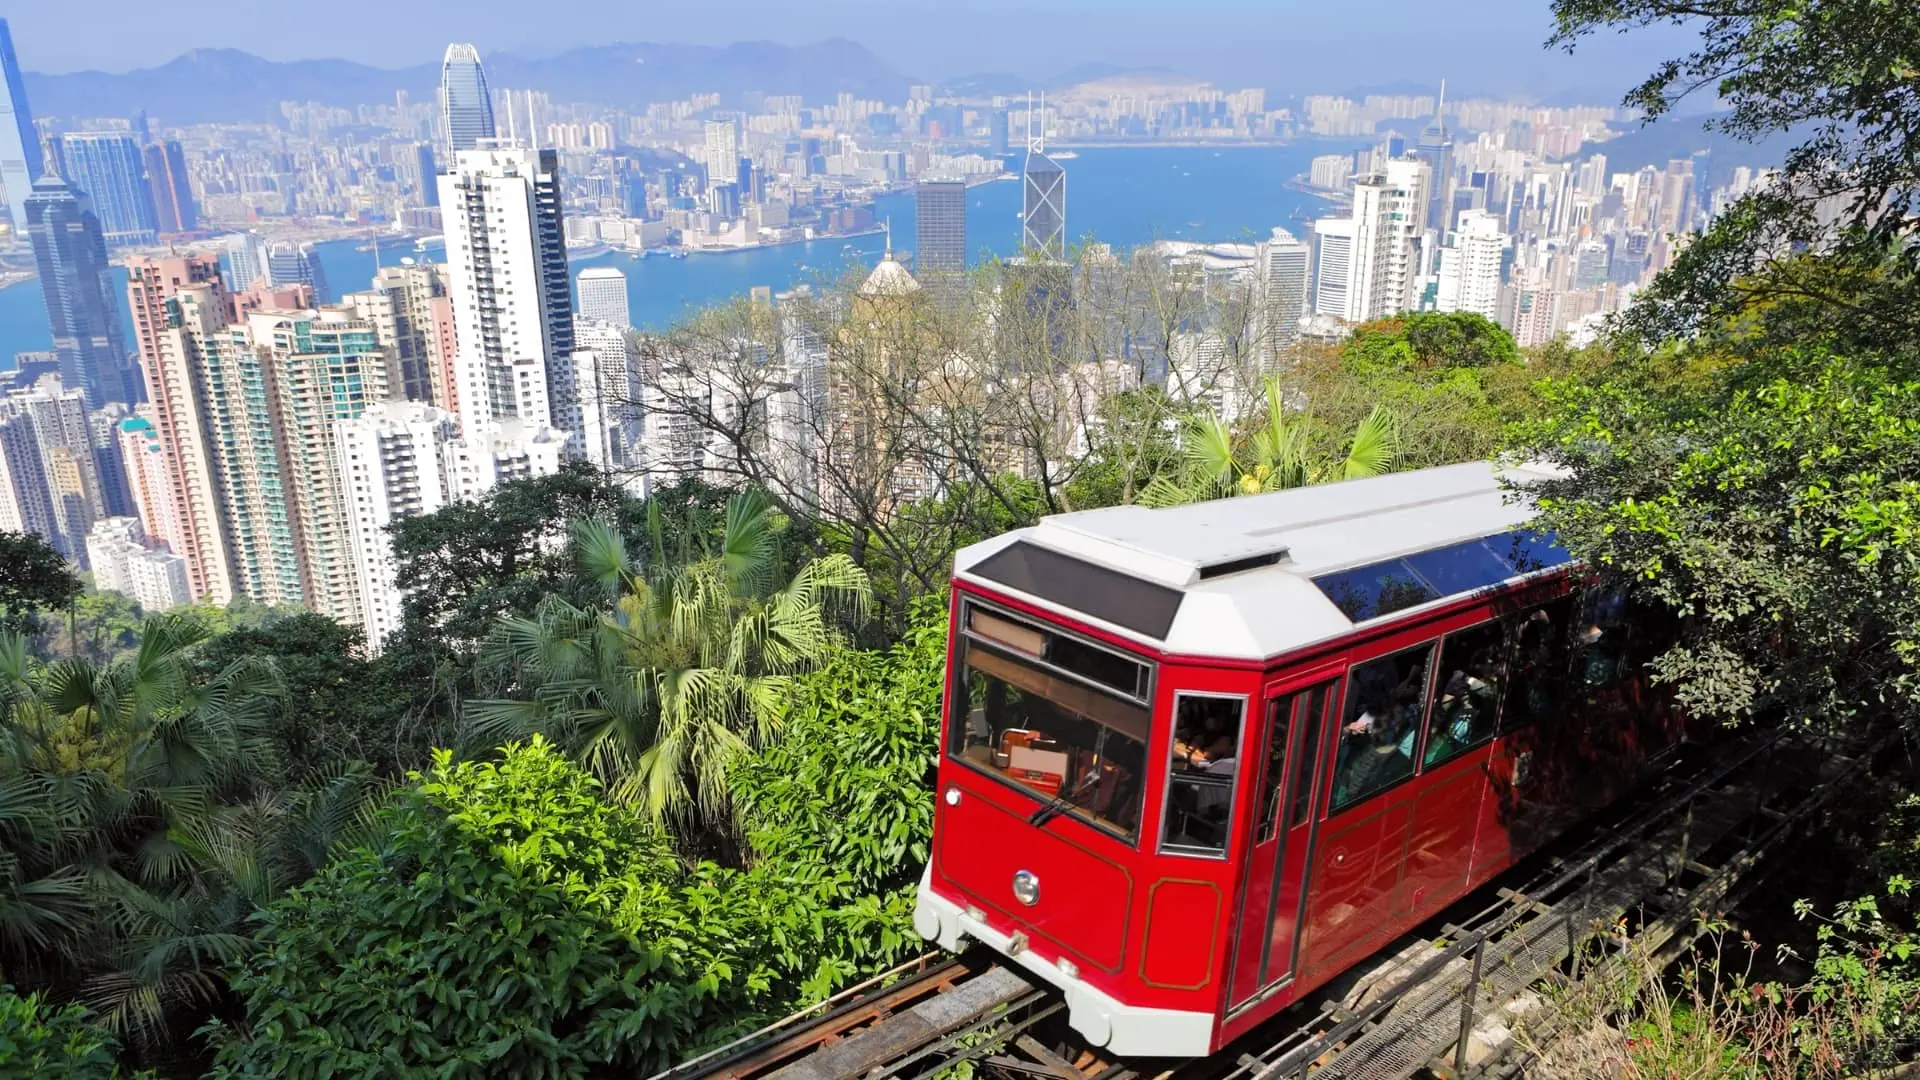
1247 562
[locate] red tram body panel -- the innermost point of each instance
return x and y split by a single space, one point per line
1199 761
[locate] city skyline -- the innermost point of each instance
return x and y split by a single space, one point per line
1288 50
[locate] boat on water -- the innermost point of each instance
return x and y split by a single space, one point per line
1064 155
426 242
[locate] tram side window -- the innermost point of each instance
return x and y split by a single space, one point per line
1386 700
1054 737
1602 642
1537 672
1206 755
1466 706
1279 715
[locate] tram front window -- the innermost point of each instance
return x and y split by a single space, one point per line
1053 736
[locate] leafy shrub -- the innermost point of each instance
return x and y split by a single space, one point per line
839 810
37 1039
507 921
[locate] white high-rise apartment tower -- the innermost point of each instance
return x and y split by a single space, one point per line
722 151
392 465
1389 219
609 394
512 302
1283 266
1471 265
603 296
1333 268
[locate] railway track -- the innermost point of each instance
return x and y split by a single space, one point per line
1445 1006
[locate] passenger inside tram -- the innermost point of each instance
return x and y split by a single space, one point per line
1386 700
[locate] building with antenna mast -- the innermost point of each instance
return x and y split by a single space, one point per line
1043 212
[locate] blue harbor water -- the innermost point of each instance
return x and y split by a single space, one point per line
1119 196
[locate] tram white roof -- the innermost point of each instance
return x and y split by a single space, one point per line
1191 556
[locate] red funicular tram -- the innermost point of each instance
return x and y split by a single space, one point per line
1200 760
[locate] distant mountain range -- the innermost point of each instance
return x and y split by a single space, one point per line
1681 136
216 85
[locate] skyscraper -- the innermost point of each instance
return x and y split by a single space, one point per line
1471 265
108 167
145 462
326 367
427 169
393 465
1282 301
400 306
512 301
170 337
1435 147
1043 230
466 107
722 146
297 264
1333 268
246 261
172 194
940 214
71 257
1388 222
609 394
603 296
55 485
20 161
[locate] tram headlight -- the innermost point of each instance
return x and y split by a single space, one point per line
953 796
1026 887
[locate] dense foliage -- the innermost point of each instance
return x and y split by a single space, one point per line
508 919
32 576
40 1039
681 668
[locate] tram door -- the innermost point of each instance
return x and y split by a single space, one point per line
1266 935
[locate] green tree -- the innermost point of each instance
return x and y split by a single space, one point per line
1775 517
468 564
504 919
1427 340
141 830
1840 75
32 576
1273 456
685 667
342 707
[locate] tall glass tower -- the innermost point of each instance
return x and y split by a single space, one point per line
108 167
465 103
940 214
71 256
1043 232
1045 206
20 162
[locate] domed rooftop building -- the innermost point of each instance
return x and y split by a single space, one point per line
889 279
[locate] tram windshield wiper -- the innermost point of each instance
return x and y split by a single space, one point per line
1063 802
1050 809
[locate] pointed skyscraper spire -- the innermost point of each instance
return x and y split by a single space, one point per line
466 106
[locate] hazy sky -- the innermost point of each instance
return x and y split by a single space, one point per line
1492 45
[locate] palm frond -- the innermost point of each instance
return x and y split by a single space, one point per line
602 553
1375 444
